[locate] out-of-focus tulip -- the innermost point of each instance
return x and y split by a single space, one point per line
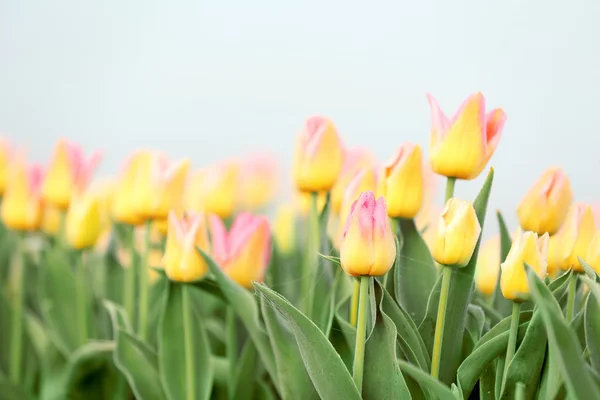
84 220
364 181
245 251
526 248
284 228
123 203
428 220
545 206
213 190
257 181
593 253
462 146
355 160
335 230
68 174
488 266
457 233
51 220
182 262
6 155
574 238
22 202
304 200
555 261
402 182
368 246
318 156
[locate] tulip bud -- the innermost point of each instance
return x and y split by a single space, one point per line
526 248
462 146
593 253
363 181
245 251
368 246
83 221
22 203
355 160
488 266
6 155
318 156
257 181
545 206
213 190
51 220
457 233
123 203
402 182
555 261
69 173
182 261
575 236
284 228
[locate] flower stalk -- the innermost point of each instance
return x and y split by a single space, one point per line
143 283
440 321
312 256
361 330
571 292
81 286
16 338
512 338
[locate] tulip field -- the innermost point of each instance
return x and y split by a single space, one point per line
172 281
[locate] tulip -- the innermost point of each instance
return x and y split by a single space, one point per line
402 182
368 246
555 261
575 236
123 203
257 181
213 190
182 262
593 253
488 266
68 173
51 220
6 155
461 147
545 206
318 156
335 230
22 204
84 220
355 160
284 228
528 248
245 251
457 233
363 181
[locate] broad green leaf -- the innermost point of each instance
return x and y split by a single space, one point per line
563 339
118 317
427 382
415 273
502 305
487 382
551 383
592 323
427 326
183 352
589 270
245 373
324 366
139 364
9 391
382 374
86 365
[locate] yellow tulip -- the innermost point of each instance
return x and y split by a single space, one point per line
182 262
462 146
355 160
318 156
555 261
545 206
51 220
457 233
84 222
123 203
213 190
363 181
68 174
284 228
368 246
245 251
488 266
6 155
22 203
593 253
257 181
526 248
402 182
575 236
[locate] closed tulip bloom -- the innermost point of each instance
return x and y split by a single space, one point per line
123 203
257 181
457 233
6 155
22 202
556 261
84 220
214 190
488 266
528 248
51 220
545 206
593 253
182 262
368 246
364 181
318 156
462 146
245 251
284 228
575 236
355 160
69 172
402 182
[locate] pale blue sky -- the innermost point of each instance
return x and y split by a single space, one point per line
208 79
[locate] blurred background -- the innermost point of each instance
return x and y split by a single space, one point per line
213 79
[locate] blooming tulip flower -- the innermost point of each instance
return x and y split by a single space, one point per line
284 228
245 251
22 203
545 206
575 236
488 266
355 160
182 262
69 172
214 190
457 233
462 146
257 181
402 182
6 155
364 181
593 253
84 220
318 156
528 248
123 202
368 246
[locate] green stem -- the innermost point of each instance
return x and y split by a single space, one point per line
440 321
231 349
129 279
312 257
190 378
16 339
450 187
520 393
361 331
512 338
571 297
62 231
143 281
354 304
81 288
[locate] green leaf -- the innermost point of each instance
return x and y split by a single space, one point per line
502 305
427 326
324 366
9 391
184 352
427 382
139 364
118 317
243 384
87 364
592 323
414 273
382 374
589 270
564 341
